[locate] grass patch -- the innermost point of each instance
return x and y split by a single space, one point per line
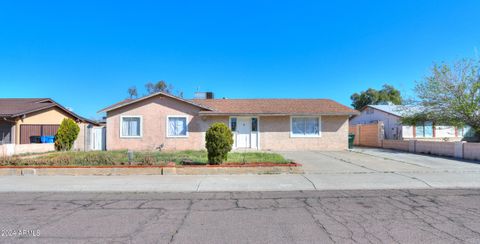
113 158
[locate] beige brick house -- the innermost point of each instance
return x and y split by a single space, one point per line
165 121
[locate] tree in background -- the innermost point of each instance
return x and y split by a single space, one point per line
132 92
219 141
372 96
450 95
180 94
66 135
160 86
151 88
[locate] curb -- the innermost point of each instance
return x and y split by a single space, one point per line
169 169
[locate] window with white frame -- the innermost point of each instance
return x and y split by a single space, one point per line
131 126
177 126
305 126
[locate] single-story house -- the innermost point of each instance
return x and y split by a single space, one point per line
391 116
25 120
164 121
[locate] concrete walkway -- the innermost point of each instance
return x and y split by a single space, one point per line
178 183
356 170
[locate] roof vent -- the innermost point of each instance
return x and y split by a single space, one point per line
204 95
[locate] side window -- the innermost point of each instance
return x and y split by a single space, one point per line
254 124
233 124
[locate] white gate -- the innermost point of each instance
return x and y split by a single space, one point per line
98 138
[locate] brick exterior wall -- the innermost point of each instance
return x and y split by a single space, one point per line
154 112
275 135
274 130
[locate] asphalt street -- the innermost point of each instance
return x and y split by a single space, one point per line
375 216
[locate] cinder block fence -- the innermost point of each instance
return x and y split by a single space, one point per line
15 149
463 150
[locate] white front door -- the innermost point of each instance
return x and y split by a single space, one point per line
244 129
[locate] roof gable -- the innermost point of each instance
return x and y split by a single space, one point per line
15 107
127 102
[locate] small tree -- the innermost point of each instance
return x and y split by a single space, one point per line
450 95
219 141
66 135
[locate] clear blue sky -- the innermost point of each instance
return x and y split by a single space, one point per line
85 54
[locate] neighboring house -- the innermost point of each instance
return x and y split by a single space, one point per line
25 120
391 116
164 121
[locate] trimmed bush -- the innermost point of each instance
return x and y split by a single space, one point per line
66 135
219 141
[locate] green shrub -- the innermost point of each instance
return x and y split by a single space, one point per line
96 158
66 135
9 161
148 159
219 141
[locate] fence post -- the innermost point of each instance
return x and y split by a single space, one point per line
412 146
357 128
381 133
458 153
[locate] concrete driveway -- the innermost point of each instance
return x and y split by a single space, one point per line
379 168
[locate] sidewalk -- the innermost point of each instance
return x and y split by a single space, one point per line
283 182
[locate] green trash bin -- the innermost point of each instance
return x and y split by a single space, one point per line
351 138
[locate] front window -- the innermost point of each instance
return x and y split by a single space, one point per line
131 126
467 131
424 130
305 126
177 126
